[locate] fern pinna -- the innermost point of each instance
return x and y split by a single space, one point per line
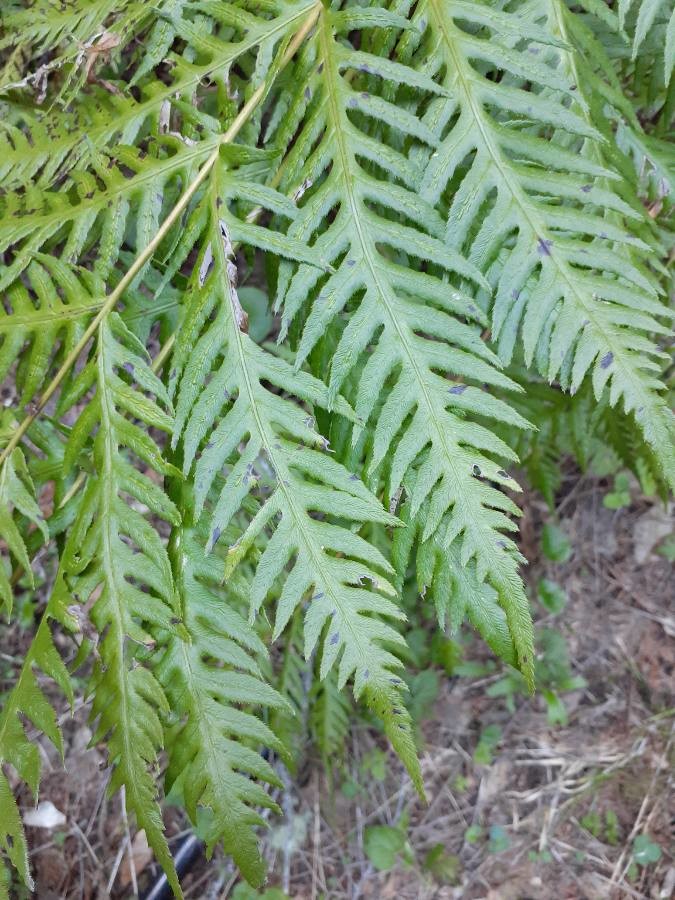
441 205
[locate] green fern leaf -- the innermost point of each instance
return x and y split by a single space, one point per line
293 681
50 308
456 590
16 497
210 757
38 147
330 718
117 565
426 421
86 213
310 494
578 308
26 701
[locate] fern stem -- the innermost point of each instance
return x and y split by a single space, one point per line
244 114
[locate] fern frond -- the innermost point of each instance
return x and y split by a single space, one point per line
45 317
456 588
440 195
416 324
292 680
17 497
95 209
47 26
330 718
116 563
654 162
648 16
211 679
528 212
261 431
27 703
38 147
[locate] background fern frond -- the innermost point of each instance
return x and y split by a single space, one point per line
330 718
212 680
95 209
46 27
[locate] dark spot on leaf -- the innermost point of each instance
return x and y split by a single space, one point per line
354 477
515 293
351 262
320 68
544 246
366 674
335 638
586 188
476 471
502 544
308 94
606 360
318 596
603 234
208 445
215 535
219 202
175 620
365 95
352 103
128 367
457 389
503 474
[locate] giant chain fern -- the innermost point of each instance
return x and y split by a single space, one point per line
445 204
